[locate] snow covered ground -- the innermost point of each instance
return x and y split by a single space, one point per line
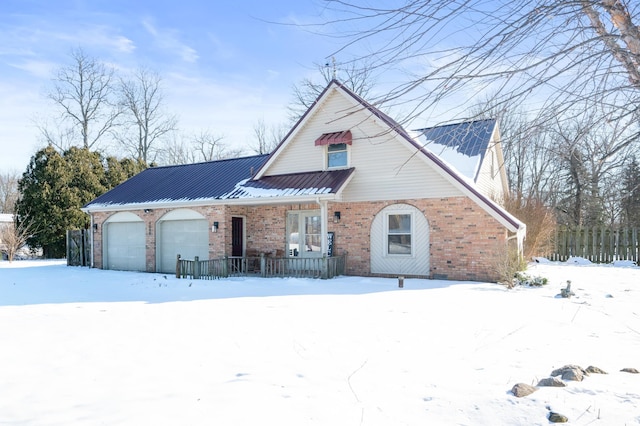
91 347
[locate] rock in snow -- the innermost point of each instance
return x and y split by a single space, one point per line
523 389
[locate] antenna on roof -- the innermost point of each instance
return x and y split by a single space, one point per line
333 62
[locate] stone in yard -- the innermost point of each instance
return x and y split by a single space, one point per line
523 389
557 418
595 370
570 372
630 370
552 381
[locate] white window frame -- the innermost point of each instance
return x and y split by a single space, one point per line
326 157
411 233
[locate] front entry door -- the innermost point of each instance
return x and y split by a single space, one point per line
237 236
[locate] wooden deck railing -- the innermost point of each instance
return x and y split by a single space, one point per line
261 266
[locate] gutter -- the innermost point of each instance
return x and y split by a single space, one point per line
212 202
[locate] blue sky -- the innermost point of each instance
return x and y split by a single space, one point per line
224 64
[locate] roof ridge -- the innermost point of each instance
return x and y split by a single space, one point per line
456 124
208 162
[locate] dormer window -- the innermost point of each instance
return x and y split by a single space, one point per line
337 149
337 155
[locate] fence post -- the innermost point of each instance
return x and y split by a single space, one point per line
263 265
196 268
178 266
225 266
325 267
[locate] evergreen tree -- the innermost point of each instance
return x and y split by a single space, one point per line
54 188
46 200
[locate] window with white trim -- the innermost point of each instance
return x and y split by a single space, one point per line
399 234
337 155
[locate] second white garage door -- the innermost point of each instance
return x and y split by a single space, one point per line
183 232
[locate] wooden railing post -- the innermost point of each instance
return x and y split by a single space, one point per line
225 266
324 268
263 265
178 266
196 268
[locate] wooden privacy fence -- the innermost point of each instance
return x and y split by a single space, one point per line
78 247
598 244
261 266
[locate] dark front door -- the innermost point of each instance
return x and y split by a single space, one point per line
237 236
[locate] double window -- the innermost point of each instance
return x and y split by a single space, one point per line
399 241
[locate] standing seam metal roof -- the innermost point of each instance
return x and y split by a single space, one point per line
209 180
470 138
219 180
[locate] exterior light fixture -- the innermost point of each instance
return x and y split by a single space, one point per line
95 227
214 228
336 217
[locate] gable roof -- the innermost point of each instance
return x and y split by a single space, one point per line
462 145
216 181
462 182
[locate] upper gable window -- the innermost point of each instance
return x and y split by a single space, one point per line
337 155
337 149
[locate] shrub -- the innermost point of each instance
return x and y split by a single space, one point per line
524 279
507 263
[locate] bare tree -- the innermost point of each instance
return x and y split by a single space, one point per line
13 237
84 92
591 156
356 76
267 137
545 55
203 146
145 121
8 191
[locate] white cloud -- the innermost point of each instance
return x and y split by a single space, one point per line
167 39
39 69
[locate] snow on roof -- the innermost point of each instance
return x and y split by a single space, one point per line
461 145
6 218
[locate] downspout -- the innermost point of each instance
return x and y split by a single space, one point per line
520 237
92 231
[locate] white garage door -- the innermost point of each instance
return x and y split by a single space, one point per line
125 246
188 238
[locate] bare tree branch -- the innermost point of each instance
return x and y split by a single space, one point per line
145 121
84 92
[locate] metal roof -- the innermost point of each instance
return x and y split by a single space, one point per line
309 183
208 180
335 138
470 138
218 180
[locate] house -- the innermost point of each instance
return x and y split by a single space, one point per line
347 179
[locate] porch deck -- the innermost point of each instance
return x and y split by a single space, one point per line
261 266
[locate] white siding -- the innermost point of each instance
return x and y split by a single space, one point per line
386 169
489 180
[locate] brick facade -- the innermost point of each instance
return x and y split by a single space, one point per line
463 237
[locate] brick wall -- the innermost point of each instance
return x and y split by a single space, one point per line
463 237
